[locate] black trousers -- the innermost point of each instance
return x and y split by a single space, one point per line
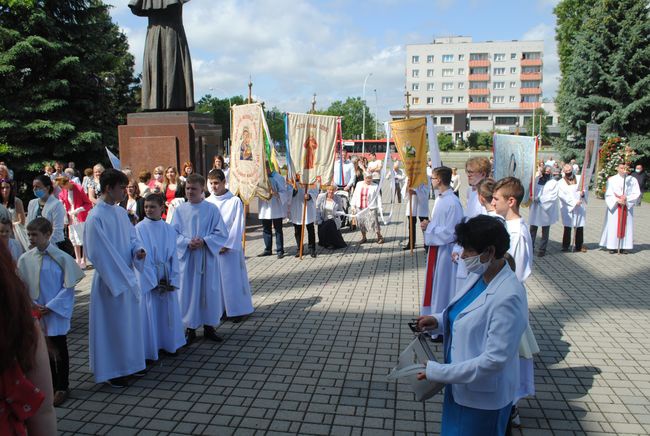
267 235
59 361
566 237
311 235
414 229
544 241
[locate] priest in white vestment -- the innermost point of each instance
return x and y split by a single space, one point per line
544 210
440 236
235 287
202 234
621 196
159 282
116 344
573 211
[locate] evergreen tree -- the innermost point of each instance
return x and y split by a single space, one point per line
607 76
66 82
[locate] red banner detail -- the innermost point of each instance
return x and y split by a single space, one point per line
622 221
432 258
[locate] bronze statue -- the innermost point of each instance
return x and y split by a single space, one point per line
167 82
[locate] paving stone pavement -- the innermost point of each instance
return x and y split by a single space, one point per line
313 358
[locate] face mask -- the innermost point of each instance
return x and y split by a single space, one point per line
474 265
637 170
39 193
568 175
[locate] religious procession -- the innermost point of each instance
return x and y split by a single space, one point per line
165 242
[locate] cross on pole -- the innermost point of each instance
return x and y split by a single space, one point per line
313 104
408 104
250 90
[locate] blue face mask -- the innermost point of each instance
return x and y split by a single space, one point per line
39 193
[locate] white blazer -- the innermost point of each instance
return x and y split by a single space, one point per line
484 368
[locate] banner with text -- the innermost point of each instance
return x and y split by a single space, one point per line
312 143
592 144
514 156
248 177
411 144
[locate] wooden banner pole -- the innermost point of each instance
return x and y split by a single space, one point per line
411 221
243 241
302 226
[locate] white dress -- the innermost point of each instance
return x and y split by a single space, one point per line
572 215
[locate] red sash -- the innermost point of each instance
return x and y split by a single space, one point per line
432 258
622 221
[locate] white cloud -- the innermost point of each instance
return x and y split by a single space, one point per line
546 33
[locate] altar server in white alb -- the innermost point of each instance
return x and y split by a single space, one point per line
573 201
235 287
273 212
420 196
477 169
439 236
544 210
300 196
116 344
202 234
162 323
621 196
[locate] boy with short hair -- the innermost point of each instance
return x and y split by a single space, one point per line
51 275
159 281
201 234
12 245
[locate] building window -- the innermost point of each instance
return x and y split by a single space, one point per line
528 70
497 85
499 57
447 72
415 59
478 99
531 55
513 84
447 86
497 71
415 100
497 99
529 98
461 71
505 121
479 70
415 73
431 86
429 100
429 59
447 58
429 73
478 56
446 120
461 99
513 55
513 99
461 57
415 87
478 85
513 70
461 85
447 100
530 84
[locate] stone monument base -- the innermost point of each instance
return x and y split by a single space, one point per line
150 139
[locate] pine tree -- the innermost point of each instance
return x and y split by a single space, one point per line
607 76
66 82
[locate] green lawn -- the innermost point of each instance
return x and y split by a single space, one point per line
646 197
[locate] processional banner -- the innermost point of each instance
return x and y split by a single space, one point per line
411 144
312 143
592 144
514 156
248 177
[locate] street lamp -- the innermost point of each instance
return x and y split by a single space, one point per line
363 122
376 110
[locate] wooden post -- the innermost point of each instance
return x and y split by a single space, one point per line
411 242
302 226
243 239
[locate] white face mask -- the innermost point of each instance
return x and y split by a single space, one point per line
474 265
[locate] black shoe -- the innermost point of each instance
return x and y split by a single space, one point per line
190 336
612 251
312 252
624 252
297 253
406 247
264 253
209 332
565 249
438 339
139 374
280 254
238 319
541 254
118 383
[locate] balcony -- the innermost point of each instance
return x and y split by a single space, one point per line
478 91
480 63
530 76
531 91
485 105
530 105
479 77
531 63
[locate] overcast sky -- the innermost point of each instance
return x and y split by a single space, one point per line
295 48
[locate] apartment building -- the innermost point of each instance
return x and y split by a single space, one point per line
474 86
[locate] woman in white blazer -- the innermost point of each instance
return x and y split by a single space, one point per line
482 328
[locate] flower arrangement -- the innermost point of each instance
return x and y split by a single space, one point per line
615 150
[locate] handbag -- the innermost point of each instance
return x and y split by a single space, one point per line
412 360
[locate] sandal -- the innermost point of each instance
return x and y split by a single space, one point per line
363 240
380 239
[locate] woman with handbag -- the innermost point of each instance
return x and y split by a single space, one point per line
482 328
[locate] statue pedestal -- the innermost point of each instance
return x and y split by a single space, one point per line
150 139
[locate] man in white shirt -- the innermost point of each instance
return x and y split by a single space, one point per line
374 168
544 210
344 176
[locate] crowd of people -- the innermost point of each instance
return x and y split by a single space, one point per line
166 247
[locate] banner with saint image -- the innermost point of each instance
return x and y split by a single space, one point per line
248 177
312 143
411 143
592 144
514 156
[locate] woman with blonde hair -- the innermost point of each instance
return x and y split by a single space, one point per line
94 187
